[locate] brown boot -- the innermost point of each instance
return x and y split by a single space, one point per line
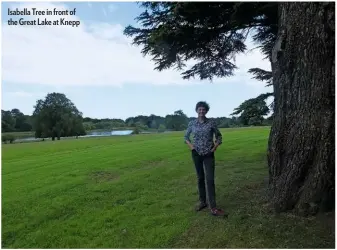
217 212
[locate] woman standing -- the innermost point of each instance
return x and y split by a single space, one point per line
203 149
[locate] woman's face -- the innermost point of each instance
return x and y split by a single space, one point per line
201 112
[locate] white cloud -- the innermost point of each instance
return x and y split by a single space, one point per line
20 94
26 94
91 54
112 7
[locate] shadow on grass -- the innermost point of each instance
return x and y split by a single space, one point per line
103 176
252 224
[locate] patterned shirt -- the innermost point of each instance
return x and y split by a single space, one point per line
203 135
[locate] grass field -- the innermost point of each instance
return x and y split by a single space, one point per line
139 192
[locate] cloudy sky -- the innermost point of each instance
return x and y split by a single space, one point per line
100 71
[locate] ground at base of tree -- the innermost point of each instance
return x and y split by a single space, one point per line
140 192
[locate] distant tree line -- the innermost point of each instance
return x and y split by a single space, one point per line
56 116
15 121
175 122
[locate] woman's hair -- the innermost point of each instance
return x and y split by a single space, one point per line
202 104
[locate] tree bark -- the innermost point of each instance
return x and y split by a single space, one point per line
301 150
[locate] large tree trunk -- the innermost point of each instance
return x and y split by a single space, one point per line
301 154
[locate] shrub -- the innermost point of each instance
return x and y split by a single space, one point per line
11 138
136 131
8 138
161 128
4 138
183 127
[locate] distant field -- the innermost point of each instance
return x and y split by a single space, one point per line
19 135
139 192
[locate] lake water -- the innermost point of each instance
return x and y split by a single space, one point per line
108 133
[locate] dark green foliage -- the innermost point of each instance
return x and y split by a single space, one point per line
57 117
254 103
177 121
7 121
7 138
161 128
136 131
141 126
253 110
106 123
262 75
210 34
15 121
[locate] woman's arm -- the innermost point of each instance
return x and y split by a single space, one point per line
218 136
187 136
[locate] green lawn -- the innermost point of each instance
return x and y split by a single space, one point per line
139 192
